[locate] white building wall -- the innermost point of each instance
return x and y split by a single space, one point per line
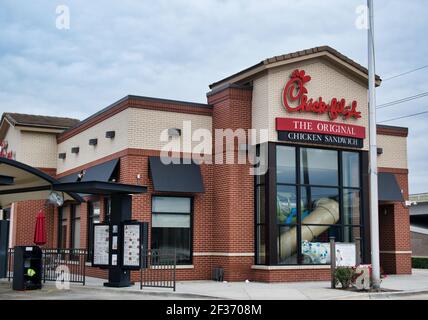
135 128
394 151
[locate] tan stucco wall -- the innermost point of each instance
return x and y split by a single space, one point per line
38 149
135 128
105 147
327 82
394 151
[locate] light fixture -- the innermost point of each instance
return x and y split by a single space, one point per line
93 142
75 150
110 134
62 155
379 151
174 132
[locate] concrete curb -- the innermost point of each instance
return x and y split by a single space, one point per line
397 293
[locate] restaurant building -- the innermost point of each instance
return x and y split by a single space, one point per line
309 112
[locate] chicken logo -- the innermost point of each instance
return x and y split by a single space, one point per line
295 92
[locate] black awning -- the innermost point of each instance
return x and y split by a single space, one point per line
101 172
175 177
388 188
70 178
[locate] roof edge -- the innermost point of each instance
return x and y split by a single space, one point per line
297 54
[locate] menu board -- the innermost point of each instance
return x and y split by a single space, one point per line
131 245
101 245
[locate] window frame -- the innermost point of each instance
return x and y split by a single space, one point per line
177 213
90 228
272 231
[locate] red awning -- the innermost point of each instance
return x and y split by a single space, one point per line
40 232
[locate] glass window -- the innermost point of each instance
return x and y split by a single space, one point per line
107 210
261 244
75 227
171 204
286 204
319 167
351 169
351 207
168 220
287 244
285 164
260 194
93 217
171 226
320 205
62 228
325 201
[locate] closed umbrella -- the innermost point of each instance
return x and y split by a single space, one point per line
40 232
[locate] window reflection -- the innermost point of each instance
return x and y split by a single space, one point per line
319 167
286 164
286 208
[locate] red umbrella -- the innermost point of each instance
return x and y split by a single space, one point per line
40 232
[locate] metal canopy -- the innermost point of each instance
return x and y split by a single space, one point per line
388 188
99 188
21 182
176 177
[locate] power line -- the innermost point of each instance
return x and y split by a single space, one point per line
404 73
402 117
392 103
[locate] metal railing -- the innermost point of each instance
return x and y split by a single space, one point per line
158 269
63 264
57 261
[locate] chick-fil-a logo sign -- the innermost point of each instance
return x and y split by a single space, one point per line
296 92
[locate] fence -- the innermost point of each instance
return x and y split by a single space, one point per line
158 269
56 262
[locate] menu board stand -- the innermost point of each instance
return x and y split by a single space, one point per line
121 211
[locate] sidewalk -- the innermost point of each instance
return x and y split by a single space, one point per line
397 284
417 283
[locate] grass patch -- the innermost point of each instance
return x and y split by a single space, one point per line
420 263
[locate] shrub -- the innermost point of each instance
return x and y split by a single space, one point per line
345 276
420 263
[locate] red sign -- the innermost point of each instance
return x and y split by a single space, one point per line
295 91
323 127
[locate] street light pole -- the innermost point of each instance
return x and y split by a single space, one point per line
374 214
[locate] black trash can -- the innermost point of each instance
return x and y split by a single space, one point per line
27 268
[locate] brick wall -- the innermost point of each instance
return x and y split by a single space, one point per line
394 235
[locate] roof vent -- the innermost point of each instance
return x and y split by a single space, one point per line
62 155
75 150
93 142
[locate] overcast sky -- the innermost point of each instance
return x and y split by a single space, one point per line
175 49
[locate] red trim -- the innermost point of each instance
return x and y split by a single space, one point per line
323 127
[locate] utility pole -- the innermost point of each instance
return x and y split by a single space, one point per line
374 211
